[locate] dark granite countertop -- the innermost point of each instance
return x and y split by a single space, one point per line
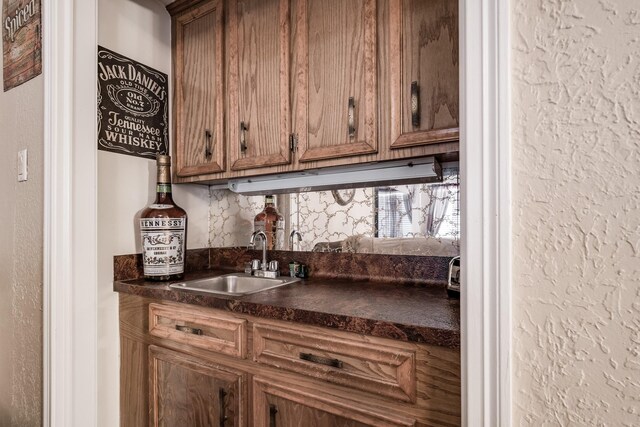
408 312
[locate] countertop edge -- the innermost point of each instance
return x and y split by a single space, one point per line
419 334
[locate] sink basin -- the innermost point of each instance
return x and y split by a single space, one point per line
233 284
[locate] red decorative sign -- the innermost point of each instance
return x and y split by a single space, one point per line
21 41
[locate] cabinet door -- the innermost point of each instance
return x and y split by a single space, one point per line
259 72
278 404
336 78
198 80
424 72
185 391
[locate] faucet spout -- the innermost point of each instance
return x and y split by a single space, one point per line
263 237
292 235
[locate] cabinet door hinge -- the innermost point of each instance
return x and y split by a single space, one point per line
293 142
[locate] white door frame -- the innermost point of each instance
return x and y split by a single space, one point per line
70 242
70 216
485 165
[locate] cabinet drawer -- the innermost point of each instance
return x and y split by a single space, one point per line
211 331
278 403
380 369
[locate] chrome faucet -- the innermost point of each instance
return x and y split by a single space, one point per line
291 236
252 241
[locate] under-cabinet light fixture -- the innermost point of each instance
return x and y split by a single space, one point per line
426 169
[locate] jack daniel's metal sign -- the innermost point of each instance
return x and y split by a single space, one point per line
132 107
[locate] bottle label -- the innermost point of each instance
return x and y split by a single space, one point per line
163 188
160 206
163 245
258 226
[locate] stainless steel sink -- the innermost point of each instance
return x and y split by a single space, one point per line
233 284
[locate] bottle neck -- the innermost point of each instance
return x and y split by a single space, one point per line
269 202
163 186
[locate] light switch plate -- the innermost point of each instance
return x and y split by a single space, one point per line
22 165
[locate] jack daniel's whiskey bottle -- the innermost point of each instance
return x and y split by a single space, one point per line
272 223
163 228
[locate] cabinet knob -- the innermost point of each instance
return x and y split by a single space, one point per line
415 104
244 127
351 117
209 145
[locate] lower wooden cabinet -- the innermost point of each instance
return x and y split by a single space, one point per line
287 374
185 391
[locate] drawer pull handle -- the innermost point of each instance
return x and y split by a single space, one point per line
334 363
223 408
188 330
351 117
207 150
272 415
244 127
415 104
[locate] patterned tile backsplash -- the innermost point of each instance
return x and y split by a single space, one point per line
419 219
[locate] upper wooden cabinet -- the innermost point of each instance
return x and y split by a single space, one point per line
424 72
336 78
274 86
198 109
259 73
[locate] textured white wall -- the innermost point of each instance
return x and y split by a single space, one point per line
21 231
141 30
576 129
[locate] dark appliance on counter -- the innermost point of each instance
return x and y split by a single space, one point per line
453 285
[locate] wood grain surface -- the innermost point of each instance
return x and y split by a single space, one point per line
259 58
188 392
199 143
218 332
384 370
134 382
424 49
437 375
292 81
22 49
336 61
296 405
